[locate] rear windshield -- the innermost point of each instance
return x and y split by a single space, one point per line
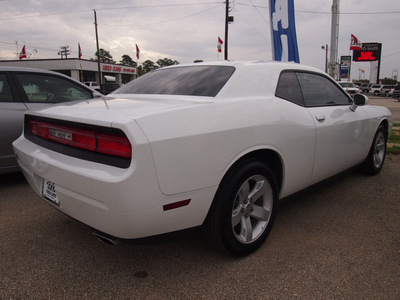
192 81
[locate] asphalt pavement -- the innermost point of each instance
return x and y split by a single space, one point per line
338 240
392 104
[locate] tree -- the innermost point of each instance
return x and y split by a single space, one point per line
166 62
388 81
64 51
126 60
148 66
105 56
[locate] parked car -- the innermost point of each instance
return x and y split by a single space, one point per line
375 89
109 87
396 92
387 90
365 87
349 87
23 89
93 85
207 144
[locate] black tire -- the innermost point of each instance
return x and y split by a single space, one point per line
243 210
376 157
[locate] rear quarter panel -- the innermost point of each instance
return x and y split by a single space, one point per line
193 148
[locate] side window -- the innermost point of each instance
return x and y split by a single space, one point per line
289 89
320 91
51 89
5 91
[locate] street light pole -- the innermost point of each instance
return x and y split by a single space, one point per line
334 39
98 51
326 57
226 29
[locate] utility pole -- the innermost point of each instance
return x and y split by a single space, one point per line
326 57
334 39
64 51
98 51
226 29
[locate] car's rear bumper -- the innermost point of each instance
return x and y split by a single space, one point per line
125 203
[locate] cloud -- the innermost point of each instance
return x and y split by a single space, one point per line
188 30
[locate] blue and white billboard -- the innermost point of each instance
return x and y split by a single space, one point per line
283 31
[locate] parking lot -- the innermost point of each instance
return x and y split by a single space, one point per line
390 103
338 240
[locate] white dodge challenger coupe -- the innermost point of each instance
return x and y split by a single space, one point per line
208 144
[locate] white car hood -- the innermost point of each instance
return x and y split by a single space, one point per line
120 108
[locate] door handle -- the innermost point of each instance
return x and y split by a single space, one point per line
320 118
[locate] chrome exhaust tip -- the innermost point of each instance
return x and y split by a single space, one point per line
105 238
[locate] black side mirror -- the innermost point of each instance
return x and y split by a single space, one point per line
359 100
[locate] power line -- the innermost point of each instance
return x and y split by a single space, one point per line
350 13
391 54
326 12
113 8
45 15
164 21
30 46
261 34
161 5
259 12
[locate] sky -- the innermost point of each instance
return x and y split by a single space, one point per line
187 30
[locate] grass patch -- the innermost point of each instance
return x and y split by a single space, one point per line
394 140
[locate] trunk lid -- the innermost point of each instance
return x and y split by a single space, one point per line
122 109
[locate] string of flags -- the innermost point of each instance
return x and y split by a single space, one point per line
80 52
23 54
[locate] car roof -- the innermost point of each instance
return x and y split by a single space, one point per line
25 69
43 71
34 70
240 64
252 72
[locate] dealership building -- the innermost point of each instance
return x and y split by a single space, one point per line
79 69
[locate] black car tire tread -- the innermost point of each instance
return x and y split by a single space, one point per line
217 228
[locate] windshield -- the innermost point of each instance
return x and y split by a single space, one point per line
191 81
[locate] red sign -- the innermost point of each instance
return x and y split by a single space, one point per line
367 55
368 52
120 69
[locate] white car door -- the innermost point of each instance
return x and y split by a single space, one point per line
340 132
340 138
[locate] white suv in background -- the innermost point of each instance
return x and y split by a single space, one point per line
375 89
349 87
93 85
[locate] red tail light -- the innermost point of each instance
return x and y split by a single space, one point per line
92 140
114 145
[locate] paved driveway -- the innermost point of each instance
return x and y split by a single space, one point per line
340 240
388 102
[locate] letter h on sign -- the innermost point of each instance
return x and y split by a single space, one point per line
283 29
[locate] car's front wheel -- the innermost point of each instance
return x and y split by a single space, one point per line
243 210
377 153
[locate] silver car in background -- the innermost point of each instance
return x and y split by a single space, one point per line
24 89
